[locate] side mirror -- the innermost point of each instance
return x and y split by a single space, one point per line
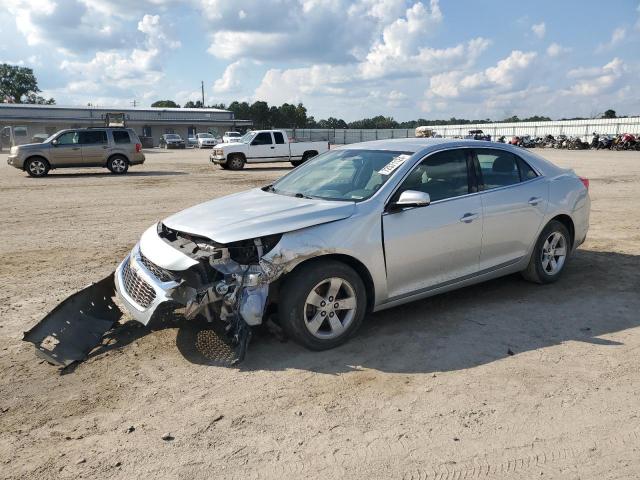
54 142
411 198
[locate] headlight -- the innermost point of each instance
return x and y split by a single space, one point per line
13 150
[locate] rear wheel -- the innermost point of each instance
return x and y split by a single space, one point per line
118 165
550 254
37 167
322 304
235 162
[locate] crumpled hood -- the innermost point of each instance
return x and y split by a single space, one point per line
256 213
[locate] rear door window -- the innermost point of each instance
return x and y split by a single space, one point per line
96 137
500 168
278 137
121 136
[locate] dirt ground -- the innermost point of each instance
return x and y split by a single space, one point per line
501 380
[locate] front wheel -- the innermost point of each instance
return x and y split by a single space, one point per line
37 167
550 254
235 162
322 304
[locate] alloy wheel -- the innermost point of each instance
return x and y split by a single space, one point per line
554 253
37 167
330 308
118 165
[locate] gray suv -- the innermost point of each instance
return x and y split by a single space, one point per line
113 148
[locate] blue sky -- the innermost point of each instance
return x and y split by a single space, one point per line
347 59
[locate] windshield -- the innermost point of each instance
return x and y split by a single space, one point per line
342 175
204 135
172 136
247 137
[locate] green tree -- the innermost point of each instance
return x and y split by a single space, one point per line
192 104
609 114
165 104
19 85
259 114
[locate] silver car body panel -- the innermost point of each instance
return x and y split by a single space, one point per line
406 255
255 213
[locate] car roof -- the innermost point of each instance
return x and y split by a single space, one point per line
423 146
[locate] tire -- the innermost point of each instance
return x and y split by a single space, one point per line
296 163
235 162
37 167
118 165
314 325
224 166
540 268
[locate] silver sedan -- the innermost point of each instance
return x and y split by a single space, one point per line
358 229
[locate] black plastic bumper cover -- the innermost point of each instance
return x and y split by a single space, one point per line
71 330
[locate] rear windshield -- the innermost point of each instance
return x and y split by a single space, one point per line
121 136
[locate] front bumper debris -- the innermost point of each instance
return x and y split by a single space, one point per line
71 330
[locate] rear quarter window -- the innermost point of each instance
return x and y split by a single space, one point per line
121 136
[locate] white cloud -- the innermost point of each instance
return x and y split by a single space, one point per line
617 36
597 81
232 78
539 29
506 75
556 50
114 69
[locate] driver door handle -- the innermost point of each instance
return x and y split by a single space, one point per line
535 200
272 148
469 217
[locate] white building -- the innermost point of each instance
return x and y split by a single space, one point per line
30 120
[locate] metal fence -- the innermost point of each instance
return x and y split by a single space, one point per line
571 128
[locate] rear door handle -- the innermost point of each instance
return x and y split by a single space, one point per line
535 200
272 148
469 217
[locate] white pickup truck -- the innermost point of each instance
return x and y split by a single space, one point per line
260 146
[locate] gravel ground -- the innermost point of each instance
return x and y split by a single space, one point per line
501 380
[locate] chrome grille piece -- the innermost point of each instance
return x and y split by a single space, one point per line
159 272
139 290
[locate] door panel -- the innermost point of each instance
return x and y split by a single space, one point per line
280 151
514 202
67 153
94 147
261 148
511 222
431 245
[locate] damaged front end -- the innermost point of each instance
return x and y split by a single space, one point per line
191 275
227 283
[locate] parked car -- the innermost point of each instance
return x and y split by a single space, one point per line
171 140
230 137
206 140
192 142
358 229
265 146
112 148
39 137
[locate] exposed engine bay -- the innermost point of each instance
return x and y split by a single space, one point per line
226 283
229 283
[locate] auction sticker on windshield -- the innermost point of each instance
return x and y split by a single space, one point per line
393 164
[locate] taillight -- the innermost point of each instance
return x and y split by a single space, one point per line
585 182
138 147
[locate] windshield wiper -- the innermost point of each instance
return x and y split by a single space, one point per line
301 195
269 188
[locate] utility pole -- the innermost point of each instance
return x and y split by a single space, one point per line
134 103
202 85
